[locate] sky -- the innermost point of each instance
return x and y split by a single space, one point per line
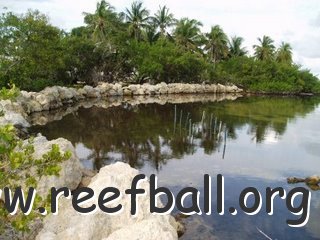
293 21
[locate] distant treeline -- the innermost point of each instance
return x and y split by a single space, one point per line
135 46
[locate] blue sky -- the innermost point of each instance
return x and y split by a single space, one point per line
293 21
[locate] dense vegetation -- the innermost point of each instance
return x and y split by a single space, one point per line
135 46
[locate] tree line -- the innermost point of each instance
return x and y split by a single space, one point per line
135 46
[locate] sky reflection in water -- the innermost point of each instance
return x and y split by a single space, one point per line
255 141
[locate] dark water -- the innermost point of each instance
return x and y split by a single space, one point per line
256 141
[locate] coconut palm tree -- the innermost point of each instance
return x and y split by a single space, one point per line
163 19
151 33
264 51
235 47
188 34
284 53
102 21
137 17
216 44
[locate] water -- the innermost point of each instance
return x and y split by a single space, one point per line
252 141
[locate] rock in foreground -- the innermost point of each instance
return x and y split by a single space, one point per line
71 170
69 224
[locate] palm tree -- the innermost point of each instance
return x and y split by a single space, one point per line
151 33
235 49
284 53
102 21
216 44
137 18
187 33
163 19
264 51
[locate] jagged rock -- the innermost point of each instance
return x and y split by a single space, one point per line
70 174
293 180
221 88
313 180
65 93
88 172
32 106
71 225
82 93
56 92
309 180
85 181
91 92
127 92
13 118
139 91
104 88
162 88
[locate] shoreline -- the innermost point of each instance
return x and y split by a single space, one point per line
55 102
248 93
16 112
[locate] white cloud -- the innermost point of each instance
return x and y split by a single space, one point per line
296 22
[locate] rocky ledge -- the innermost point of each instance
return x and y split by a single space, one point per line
44 117
55 97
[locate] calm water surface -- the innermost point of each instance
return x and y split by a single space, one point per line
254 141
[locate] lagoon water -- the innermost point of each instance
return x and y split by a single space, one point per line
252 141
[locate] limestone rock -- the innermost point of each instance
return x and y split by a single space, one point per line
70 174
65 93
71 225
127 91
91 92
13 118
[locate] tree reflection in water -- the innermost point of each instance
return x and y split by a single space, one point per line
157 133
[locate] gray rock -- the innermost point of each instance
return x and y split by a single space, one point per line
91 92
71 170
65 93
13 118
71 225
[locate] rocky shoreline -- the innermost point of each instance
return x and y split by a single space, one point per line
30 108
44 117
56 97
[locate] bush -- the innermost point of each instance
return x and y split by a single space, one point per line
16 160
32 54
164 61
265 76
12 93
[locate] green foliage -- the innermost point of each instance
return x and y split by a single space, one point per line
80 59
10 93
32 53
266 76
135 46
235 47
187 34
284 53
164 61
19 168
164 19
137 18
265 49
103 22
216 44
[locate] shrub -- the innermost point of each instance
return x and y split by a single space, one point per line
16 160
